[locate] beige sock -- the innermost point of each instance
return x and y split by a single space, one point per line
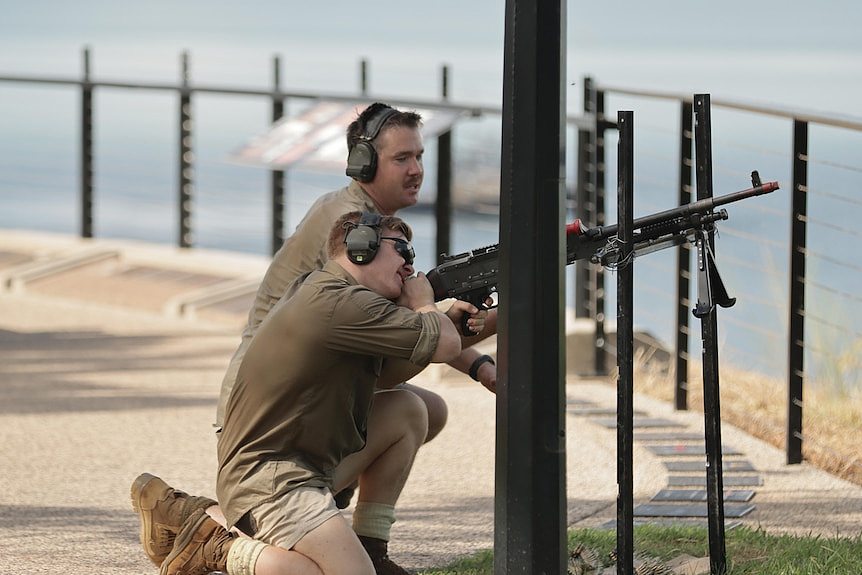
242 556
373 519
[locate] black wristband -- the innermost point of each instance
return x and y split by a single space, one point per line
477 363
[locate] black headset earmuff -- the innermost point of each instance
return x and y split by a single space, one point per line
363 239
362 158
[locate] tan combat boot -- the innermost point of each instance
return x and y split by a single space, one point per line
200 547
162 510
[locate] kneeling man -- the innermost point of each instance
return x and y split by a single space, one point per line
303 421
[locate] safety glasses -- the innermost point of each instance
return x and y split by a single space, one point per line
404 249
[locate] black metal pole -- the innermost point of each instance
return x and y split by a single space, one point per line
709 333
276 177
186 157
683 262
601 363
585 190
86 149
625 346
796 332
443 204
530 502
363 77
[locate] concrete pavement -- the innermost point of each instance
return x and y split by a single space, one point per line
101 379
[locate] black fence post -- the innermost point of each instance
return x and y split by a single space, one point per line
86 149
443 203
683 263
186 156
601 367
530 471
709 332
796 334
584 198
625 346
363 77
276 177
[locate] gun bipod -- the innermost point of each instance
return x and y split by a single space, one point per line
710 287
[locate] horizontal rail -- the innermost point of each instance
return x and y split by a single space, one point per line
586 121
814 117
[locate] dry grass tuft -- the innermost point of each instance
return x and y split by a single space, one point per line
832 419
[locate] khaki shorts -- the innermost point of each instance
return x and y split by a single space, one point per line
284 521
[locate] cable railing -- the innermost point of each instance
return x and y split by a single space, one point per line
121 178
806 229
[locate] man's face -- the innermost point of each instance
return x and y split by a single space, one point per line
389 268
399 169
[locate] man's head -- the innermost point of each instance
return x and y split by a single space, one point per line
385 156
374 249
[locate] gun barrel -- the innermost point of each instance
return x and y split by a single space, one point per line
742 194
698 207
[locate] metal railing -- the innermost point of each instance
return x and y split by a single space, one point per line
591 189
186 90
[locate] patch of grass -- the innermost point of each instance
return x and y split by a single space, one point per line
749 551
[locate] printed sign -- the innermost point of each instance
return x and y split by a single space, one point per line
316 138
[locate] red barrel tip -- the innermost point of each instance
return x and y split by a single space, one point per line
770 186
575 228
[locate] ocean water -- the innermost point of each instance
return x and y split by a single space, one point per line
759 53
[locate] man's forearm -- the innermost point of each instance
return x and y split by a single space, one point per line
463 362
396 371
486 374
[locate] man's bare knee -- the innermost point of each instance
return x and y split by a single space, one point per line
435 407
438 414
413 409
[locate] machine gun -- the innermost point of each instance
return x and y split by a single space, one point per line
472 275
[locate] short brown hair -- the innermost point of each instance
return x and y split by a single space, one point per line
356 129
336 246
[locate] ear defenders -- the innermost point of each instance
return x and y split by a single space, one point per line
362 158
363 239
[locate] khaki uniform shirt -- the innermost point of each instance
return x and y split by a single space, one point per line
302 253
306 385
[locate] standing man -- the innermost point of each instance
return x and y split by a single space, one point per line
306 417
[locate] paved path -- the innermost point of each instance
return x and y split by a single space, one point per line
99 382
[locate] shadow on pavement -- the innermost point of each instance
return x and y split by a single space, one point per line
49 372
